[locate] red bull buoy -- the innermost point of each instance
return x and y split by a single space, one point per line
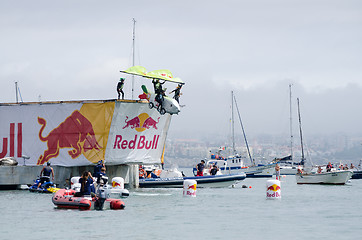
273 189
118 183
189 189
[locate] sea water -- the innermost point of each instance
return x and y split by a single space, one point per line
303 212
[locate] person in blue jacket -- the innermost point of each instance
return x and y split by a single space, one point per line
86 182
97 169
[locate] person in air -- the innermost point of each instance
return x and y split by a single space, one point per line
45 174
200 168
177 92
120 88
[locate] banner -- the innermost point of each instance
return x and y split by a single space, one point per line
79 134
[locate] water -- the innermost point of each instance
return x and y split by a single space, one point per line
303 212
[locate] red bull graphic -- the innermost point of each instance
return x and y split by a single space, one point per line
193 187
12 143
116 184
274 188
141 122
75 132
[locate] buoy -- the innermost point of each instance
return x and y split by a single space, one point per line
118 183
189 189
273 189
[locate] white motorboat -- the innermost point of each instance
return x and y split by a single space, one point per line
174 178
339 177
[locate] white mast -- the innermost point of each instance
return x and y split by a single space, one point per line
291 123
232 121
133 52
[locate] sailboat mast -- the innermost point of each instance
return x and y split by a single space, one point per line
242 127
133 52
291 123
232 121
300 130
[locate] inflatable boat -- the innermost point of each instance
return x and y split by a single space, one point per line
65 198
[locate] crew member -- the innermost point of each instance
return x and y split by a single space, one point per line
120 88
97 169
45 174
177 92
200 168
214 170
86 182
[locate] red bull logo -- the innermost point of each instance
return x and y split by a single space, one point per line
116 184
273 188
141 122
76 132
193 187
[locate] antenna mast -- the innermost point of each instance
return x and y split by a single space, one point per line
300 130
232 121
16 92
291 123
133 52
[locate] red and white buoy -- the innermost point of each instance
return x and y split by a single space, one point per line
273 189
189 189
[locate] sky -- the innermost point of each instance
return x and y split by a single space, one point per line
74 50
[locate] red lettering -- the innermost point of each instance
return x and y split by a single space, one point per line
20 139
117 141
5 148
124 144
141 143
132 143
148 144
12 138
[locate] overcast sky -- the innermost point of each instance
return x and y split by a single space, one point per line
73 50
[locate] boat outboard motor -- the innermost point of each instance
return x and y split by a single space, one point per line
101 198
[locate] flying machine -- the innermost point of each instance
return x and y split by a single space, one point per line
164 104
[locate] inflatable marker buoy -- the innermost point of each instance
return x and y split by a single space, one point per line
273 189
118 183
189 189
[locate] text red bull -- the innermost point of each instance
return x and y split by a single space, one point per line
75 132
136 143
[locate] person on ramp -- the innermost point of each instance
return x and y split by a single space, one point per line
158 91
120 88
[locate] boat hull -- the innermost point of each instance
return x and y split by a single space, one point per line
64 198
357 175
202 181
333 178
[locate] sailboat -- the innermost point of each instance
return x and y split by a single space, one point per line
235 162
287 164
334 176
